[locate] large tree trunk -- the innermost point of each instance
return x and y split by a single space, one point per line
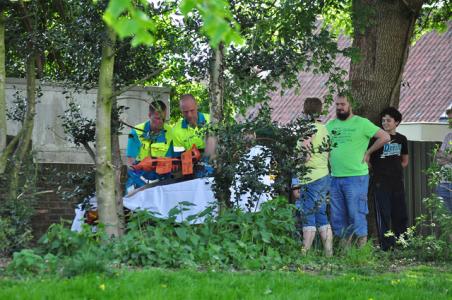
105 175
382 33
27 129
2 86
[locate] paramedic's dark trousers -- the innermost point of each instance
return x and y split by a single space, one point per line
391 213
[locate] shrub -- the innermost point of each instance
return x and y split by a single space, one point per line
61 241
431 237
92 260
27 262
242 240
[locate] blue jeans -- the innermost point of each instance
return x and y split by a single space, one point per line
444 190
312 202
349 205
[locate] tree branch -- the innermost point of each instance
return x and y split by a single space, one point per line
90 151
9 151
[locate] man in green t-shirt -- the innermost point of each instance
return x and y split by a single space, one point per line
350 135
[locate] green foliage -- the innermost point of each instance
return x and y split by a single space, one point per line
235 240
61 241
78 185
27 262
263 240
79 129
337 15
434 15
218 22
356 258
16 213
430 239
14 234
278 145
130 19
6 231
135 23
91 260
64 252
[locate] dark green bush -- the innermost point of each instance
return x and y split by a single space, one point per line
430 239
61 241
266 239
27 262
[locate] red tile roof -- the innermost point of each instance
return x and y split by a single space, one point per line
425 94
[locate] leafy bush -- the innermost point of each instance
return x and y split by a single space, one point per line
242 240
5 232
61 241
430 238
16 213
27 262
92 260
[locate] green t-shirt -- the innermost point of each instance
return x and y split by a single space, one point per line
350 140
318 163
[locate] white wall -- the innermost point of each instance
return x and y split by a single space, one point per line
48 134
423 131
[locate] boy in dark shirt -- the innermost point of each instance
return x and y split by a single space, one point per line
387 176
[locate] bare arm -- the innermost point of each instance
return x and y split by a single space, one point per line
444 154
130 161
307 146
405 160
382 137
443 158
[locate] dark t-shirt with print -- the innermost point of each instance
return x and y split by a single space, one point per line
387 161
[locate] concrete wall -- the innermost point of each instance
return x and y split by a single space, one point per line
423 131
48 135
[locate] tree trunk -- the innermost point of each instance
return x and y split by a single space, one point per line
105 175
216 95
27 129
216 85
382 33
2 86
117 163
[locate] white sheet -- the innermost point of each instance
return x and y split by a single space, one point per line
161 199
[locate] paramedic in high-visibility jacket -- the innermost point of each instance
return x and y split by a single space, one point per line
188 130
148 139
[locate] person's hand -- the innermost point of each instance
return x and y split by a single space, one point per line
307 144
366 158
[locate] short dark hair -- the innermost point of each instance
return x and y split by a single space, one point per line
449 111
312 106
393 113
157 106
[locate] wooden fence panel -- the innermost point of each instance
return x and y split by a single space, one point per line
416 183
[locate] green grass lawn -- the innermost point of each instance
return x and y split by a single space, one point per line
412 283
